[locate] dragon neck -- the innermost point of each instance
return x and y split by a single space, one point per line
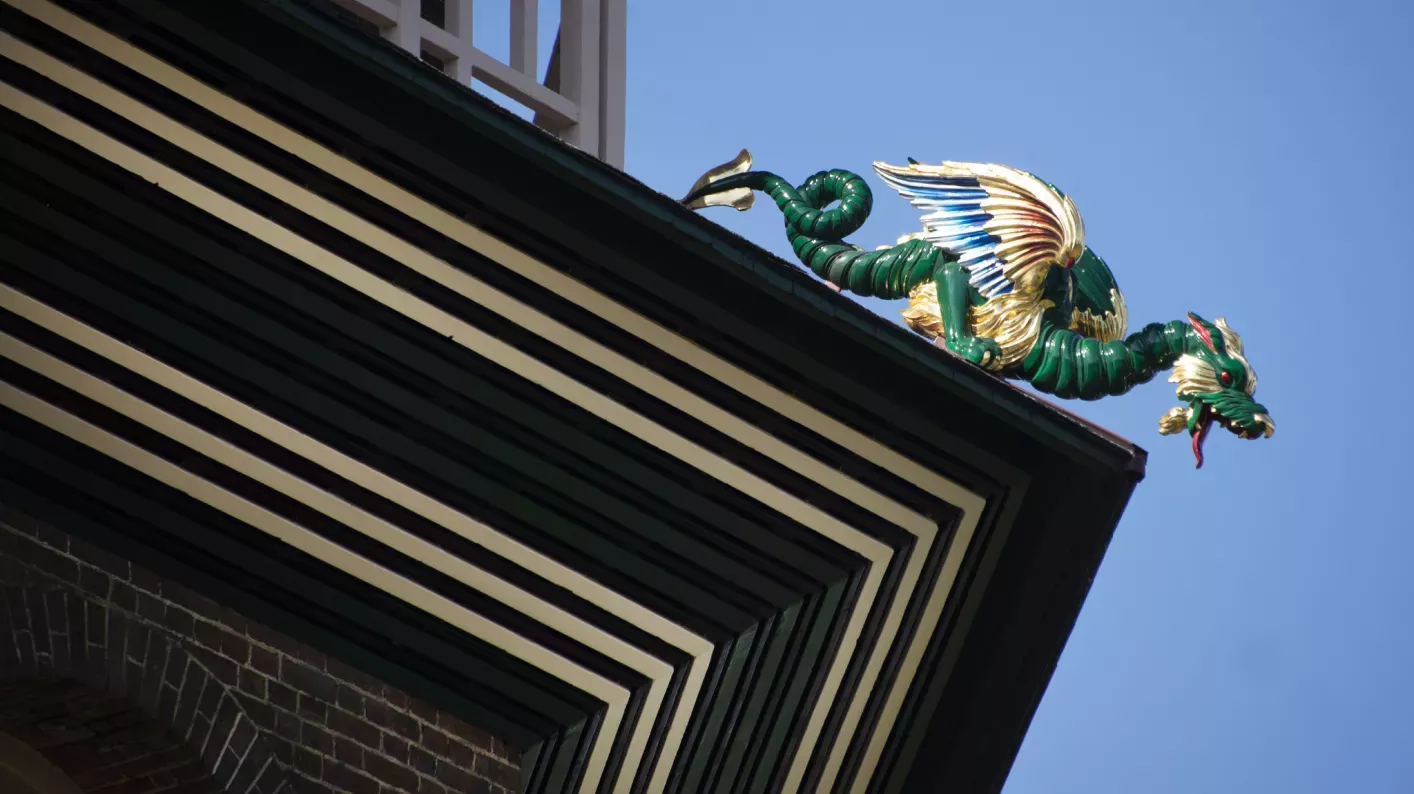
1158 346
1066 364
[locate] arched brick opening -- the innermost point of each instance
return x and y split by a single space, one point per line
119 707
102 743
275 714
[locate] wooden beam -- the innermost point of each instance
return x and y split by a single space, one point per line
613 80
408 27
579 69
553 111
381 13
458 24
525 29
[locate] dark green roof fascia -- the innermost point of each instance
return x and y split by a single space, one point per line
1075 437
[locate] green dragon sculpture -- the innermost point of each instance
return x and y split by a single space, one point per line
1001 276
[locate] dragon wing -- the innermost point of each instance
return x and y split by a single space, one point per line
1006 226
1099 310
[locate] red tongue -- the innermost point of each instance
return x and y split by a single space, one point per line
1204 422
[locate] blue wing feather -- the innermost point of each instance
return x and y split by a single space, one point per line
970 209
957 225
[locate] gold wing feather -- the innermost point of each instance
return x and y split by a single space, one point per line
1006 226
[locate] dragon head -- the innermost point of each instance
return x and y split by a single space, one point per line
1218 384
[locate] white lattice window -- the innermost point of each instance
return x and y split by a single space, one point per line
582 97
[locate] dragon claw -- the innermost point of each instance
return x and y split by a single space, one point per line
979 350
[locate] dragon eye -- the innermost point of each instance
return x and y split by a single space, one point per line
1227 378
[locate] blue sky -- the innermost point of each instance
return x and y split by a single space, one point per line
1252 626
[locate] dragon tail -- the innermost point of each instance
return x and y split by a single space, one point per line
817 234
709 192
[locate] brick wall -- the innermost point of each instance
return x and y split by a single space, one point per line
71 610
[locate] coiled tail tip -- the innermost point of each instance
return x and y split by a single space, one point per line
702 196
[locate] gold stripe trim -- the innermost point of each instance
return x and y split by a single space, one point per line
345 560
474 339
76 131
370 525
679 347
376 481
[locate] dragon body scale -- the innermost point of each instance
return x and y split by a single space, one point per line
1001 276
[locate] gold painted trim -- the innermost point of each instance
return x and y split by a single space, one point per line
386 533
606 308
457 280
340 557
47 115
485 345
395 491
